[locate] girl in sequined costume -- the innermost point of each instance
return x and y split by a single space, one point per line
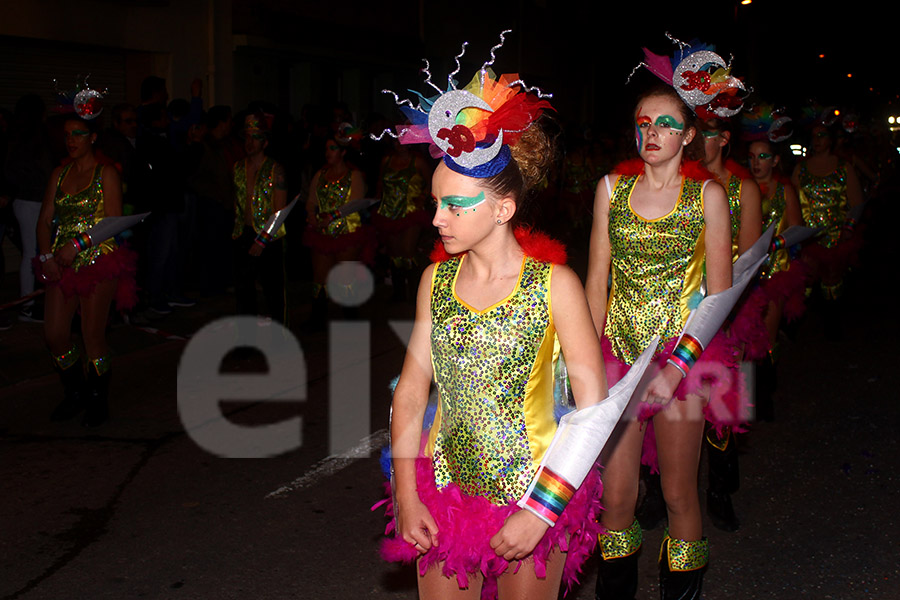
828 188
260 191
485 327
84 279
332 237
404 184
782 281
660 224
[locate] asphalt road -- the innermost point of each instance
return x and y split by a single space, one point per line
137 509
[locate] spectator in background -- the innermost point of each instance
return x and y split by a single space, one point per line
27 170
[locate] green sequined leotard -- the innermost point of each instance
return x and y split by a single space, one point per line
79 212
773 210
400 189
494 374
824 202
657 266
331 196
261 202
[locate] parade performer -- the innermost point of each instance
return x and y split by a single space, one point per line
487 314
333 236
660 224
260 191
829 192
782 281
82 274
404 185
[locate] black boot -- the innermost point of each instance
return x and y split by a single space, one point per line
71 373
681 567
97 404
318 316
724 479
618 572
652 510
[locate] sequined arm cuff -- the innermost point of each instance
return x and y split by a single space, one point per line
686 353
850 224
549 497
778 243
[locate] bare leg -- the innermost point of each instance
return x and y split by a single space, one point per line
679 433
94 315
621 474
58 313
434 586
525 585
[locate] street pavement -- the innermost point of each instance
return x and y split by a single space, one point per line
137 509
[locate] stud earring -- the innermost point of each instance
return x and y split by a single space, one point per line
499 222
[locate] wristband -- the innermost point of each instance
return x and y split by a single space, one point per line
263 239
686 353
850 224
549 496
45 257
778 243
82 241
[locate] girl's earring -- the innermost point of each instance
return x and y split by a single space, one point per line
499 222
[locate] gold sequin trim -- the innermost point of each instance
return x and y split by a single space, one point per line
618 544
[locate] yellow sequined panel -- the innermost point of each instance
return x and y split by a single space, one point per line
733 191
823 201
79 212
485 364
656 268
400 189
332 195
261 203
773 212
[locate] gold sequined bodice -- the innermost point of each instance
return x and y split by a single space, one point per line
657 266
400 189
331 196
262 200
733 191
79 212
494 374
773 211
824 202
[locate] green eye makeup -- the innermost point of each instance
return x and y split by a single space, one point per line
466 202
669 122
710 134
78 133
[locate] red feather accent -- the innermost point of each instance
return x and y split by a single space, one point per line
536 244
693 169
737 169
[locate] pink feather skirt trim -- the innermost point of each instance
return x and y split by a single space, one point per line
119 264
717 373
467 524
788 287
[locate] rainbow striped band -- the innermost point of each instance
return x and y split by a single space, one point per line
850 224
263 239
778 242
686 353
550 496
82 241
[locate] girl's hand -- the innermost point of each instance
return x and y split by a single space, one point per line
255 249
662 387
519 535
415 524
65 255
50 270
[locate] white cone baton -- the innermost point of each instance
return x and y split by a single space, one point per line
706 320
579 439
792 236
854 215
105 229
356 206
277 219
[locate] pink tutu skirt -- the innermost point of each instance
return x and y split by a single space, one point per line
119 264
467 524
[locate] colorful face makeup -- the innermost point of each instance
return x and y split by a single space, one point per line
456 203
640 124
76 133
671 123
710 134
762 156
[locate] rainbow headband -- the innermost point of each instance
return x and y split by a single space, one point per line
471 127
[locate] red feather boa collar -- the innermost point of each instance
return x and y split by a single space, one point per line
692 169
536 244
